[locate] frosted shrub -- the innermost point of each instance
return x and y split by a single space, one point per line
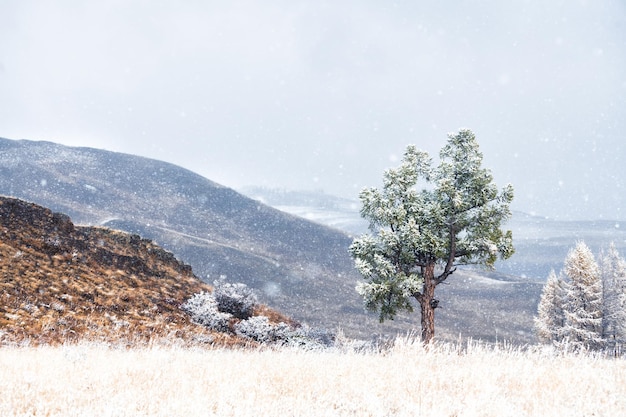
260 329
215 310
237 299
203 309
310 338
229 302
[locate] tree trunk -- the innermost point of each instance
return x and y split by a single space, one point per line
427 305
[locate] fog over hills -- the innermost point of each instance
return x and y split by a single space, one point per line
541 244
296 265
320 93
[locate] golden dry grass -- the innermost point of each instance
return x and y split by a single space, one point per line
63 283
90 380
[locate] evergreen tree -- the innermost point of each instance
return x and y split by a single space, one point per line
583 306
550 319
424 222
613 272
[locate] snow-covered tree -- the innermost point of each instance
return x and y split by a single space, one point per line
550 319
424 222
583 306
613 272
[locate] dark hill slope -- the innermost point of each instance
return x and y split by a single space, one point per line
60 283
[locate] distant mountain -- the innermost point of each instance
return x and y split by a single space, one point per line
61 283
541 244
338 213
298 266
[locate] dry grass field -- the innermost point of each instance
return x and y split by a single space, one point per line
405 380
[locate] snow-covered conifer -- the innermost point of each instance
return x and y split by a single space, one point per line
424 222
613 272
550 319
583 305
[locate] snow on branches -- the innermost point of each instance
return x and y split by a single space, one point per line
584 307
429 217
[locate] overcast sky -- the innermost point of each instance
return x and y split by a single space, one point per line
327 94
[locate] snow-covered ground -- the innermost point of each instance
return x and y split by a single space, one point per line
407 379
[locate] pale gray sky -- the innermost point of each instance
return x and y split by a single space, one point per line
327 94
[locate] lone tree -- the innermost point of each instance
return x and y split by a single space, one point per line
426 221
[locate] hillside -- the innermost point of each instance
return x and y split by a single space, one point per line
299 267
60 282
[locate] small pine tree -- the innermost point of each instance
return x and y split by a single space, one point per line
613 272
583 306
550 318
424 222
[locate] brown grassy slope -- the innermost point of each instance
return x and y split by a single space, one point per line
60 282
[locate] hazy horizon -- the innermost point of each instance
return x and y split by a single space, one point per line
327 95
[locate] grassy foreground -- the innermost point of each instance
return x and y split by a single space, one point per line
407 380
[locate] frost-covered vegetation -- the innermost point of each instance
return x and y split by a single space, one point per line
405 379
236 299
425 221
217 309
204 310
231 307
584 307
259 329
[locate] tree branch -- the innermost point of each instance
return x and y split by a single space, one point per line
447 270
441 278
